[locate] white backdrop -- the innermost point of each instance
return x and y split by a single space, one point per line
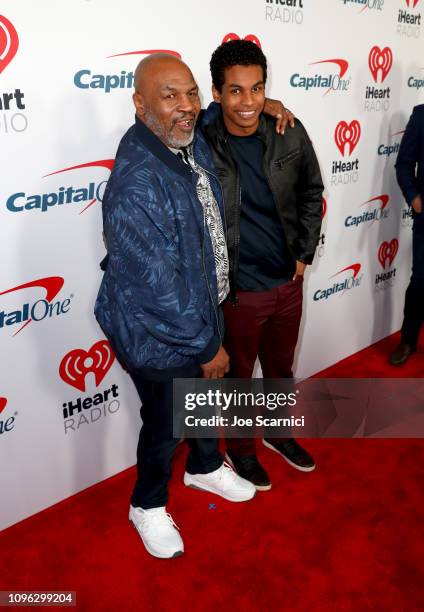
65 101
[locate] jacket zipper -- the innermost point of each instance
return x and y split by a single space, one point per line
287 158
233 284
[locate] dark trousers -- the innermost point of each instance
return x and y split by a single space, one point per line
414 297
156 445
262 324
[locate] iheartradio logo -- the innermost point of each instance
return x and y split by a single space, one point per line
76 364
380 63
349 135
233 36
9 42
387 252
412 3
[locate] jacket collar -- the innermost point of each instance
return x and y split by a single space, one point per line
149 140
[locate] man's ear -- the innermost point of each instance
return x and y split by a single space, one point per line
139 104
216 94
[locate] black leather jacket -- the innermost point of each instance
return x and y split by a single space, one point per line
293 175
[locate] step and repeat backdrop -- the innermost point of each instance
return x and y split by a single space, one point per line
351 70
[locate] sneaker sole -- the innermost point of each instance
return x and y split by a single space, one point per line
398 364
178 553
208 490
294 465
257 487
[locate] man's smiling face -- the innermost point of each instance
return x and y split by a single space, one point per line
167 101
242 98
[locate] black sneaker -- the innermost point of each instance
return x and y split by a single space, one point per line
401 354
293 453
248 467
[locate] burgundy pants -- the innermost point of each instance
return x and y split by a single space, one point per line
262 324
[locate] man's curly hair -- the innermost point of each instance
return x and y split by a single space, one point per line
235 53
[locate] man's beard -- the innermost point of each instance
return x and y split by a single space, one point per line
166 137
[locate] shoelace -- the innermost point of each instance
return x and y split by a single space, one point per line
154 517
227 470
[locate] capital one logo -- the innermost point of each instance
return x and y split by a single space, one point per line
8 423
9 42
380 62
3 402
387 252
354 268
382 199
39 310
332 81
352 280
87 194
378 210
84 79
347 134
147 52
76 364
233 36
393 147
412 3
342 64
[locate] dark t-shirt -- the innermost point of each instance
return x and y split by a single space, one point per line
264 261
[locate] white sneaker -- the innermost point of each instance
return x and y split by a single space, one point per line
224 482
158 531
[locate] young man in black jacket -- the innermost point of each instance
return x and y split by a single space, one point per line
273 205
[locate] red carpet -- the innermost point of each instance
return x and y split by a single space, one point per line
348 536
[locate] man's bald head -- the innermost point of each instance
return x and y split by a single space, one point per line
166 98
154 63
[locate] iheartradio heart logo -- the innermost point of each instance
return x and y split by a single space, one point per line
412 3
78 363
324 207
380 61
345 134
9 42
233 36
387 252
3 402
